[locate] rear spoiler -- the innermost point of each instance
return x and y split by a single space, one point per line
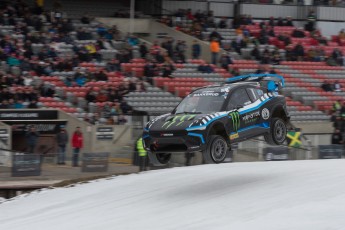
274 80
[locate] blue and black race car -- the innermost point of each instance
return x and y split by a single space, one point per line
211 118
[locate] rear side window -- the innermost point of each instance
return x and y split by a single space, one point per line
254 93
238 98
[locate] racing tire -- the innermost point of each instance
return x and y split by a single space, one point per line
216 150
278 131
159 159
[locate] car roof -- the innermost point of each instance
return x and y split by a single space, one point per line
228 86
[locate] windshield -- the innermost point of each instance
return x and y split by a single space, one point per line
202 102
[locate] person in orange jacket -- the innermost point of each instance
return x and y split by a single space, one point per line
77 144
215 48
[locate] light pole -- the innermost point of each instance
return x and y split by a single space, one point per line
131 15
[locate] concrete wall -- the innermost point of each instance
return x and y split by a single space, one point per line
153 29
7 144
123 24
122 136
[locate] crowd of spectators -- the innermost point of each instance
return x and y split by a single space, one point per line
21 64
200 22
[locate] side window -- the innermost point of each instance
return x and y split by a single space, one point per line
255 93
259 92
252 94
238 98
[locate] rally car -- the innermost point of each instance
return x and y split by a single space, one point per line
211 118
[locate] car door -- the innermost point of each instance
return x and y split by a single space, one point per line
238 102
259 113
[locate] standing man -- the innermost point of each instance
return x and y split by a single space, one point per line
32 137
196 50
337 137
142 154
215 48
62 140
77 144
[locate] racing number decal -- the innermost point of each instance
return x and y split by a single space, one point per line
236 122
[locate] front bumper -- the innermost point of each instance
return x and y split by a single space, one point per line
159 142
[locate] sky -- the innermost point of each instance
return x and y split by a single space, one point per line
285 195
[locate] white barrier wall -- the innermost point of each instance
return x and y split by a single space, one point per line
175 5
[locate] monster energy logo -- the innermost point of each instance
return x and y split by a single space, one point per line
235 116
177 120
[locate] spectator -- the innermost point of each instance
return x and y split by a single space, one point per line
196 50
101 76
311 18
215 36
19 104
276 59
341 34
33 104
299 52
272 71
222 23
143 49
126 109
256 53
77 144
337 137
102 97
337 106
62 141
4 104
205 68
326 86
32 138
298 33
167 70
235 71
113 65
225 60
337 56
337 86
133 40
215 48
168 46
271 21
285 38
288 21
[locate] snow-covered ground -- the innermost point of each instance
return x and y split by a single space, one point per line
291 195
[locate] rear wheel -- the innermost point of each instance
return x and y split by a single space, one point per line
277 134
216 150
159 159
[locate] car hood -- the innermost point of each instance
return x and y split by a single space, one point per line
176 122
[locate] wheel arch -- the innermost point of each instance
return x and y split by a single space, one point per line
218 128
279 111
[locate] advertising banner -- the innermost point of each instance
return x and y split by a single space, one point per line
28 114
26 165
95 162
330 151
276 153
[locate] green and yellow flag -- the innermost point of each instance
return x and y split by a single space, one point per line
294 139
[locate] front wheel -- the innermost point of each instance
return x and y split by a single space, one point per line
216 150
159 159
277 134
